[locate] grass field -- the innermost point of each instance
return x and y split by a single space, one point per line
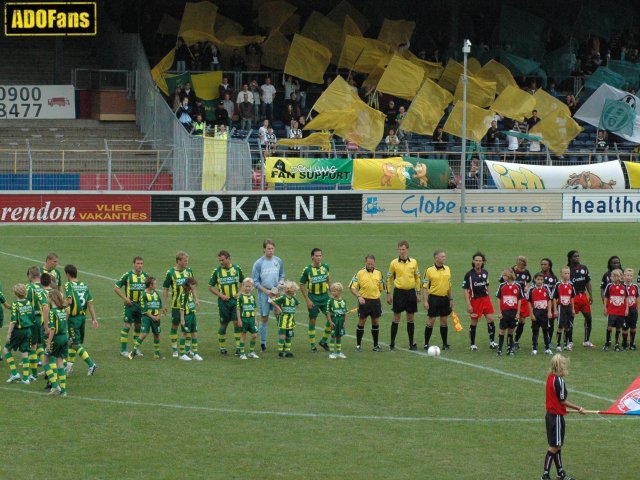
403 415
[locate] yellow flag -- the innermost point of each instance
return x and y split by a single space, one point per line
206 84
239 41
432 70
427 109
337 96
479 92
197 19
478 121
496 72
396 32
291 25
546 104
275 50
514 103
349 27
557 130
362 54
272 15
307 59
316 139
633 170
401 78
450 75
163 65
214 164
225 27
344 9
473 66
325 32
331 120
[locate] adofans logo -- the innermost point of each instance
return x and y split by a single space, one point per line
50 19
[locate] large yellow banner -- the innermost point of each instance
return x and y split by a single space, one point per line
214 164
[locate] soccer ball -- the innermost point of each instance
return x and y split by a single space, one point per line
434 351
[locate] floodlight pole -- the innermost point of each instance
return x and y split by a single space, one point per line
466 49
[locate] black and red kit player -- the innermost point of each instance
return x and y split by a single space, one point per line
539 297
564 296
632 319
584 296
523 278
510 295
476 294
616 308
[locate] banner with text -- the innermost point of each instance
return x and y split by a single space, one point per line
72 208
601 206
309 170
597 176
37 101
400 207
400 173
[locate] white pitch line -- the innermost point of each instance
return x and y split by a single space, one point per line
442 358
274 413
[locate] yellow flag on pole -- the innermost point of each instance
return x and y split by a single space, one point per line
401 78
349 27
316 139
362 54
214 164
206 84
478 121
396 32
547 104
198 21
473 66
325 32
557 130
450 75
496 72
427 109
432 70
157 72
479 92
272 15
344 9
514 103
307 59
275 50
337 96
239 41
225 27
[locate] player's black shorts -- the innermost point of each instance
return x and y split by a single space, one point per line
565 319
632 319
616 321
555 429
439 306
404 301
371 307
508 320
542 317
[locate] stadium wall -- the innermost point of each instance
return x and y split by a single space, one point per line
331 207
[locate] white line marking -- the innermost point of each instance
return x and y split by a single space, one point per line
274 413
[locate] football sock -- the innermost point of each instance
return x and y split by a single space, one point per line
173 336
558 459
312 335
569 332
25 368
181 346
444 332
72 355
625 338
617 337
136 331
547 338
252 344
559 337
124 338
156 347
332 345
633 337
287 344
519 330
534 336
491 328
62 379
264 331
50 369
87 359
411 327
394 332
327 332
281 335
472 334
359 334
500 341
587 326
375 329
222 338
237 331
427 334
137 344
40 353
608 336
33 362
548 460
338 344
550 328
510 341
241 347
194 345
187 342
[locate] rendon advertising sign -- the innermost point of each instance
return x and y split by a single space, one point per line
70 208
37 101
254 208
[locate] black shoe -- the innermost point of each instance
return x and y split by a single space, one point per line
545 476
314 350
426 347
281 354
617 349
516 345
499 353
238 353
510 352
377 348
565 476
224 352
413 347
632 347
288 355
606 347
446 348
392 348
324 345
359 348
263 347
47 387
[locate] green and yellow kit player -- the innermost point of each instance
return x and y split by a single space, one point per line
337 317
314 285
151 306
285 307
173 280
225 283
80 300
38 298
246 319
50 264
19 334
188 320
57 348
132 282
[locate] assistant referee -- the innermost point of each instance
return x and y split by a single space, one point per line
366 285
437 298
404 278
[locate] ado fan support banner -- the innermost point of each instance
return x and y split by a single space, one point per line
400 173
597 176
309 170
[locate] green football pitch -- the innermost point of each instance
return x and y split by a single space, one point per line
464 415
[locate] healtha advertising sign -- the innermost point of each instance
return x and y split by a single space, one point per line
601 206
67 208
37 101
256 208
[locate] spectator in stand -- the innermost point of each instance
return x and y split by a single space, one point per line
392 141
237 62
531 122
262 134
402 112
268 95
183 55
245 109
302 121
270 143
291 85
229 107
492 138
391 113
472 179
184 114
288 117
513 142
295 105
254 57
295 132
177 99
198 109
224 87
440 140
195 54
602 146
571 103
189 92
199 126
221 115
222 133
209 57
254 88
